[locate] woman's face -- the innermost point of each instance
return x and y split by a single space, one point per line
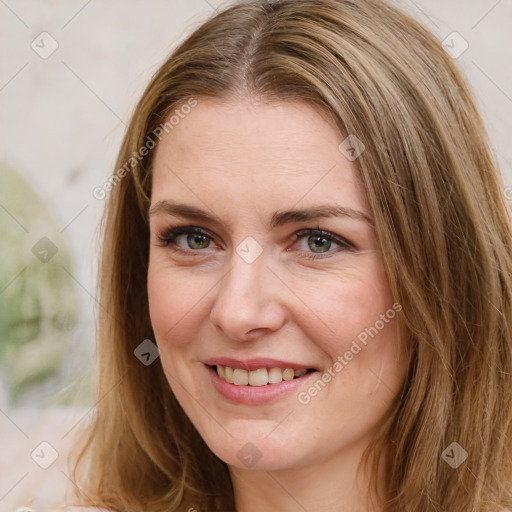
251 289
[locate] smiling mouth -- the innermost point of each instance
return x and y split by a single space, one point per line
259 377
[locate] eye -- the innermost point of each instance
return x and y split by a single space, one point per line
185 239
190 239
319 242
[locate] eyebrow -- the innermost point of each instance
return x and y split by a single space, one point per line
279 218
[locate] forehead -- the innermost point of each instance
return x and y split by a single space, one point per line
256 152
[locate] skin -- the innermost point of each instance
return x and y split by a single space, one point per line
242 160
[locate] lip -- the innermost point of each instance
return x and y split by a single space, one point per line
257 395
255 363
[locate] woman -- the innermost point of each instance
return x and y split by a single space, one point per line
372 374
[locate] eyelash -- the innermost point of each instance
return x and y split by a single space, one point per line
167 238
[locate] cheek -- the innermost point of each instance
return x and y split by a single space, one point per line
366 368
346 304
173 302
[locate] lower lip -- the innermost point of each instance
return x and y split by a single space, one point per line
255 395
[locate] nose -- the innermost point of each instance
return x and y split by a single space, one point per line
247 304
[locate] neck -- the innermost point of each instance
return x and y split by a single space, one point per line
330 485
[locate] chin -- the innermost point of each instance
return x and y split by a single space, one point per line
259 455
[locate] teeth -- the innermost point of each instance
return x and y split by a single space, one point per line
275 375
228 374
240 377
259 377
288 374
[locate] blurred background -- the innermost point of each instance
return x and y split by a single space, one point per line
71 73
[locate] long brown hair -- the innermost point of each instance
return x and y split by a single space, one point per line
442 223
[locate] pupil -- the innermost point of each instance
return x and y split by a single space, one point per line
316 245
193 239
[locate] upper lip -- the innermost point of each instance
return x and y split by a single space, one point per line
255 363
